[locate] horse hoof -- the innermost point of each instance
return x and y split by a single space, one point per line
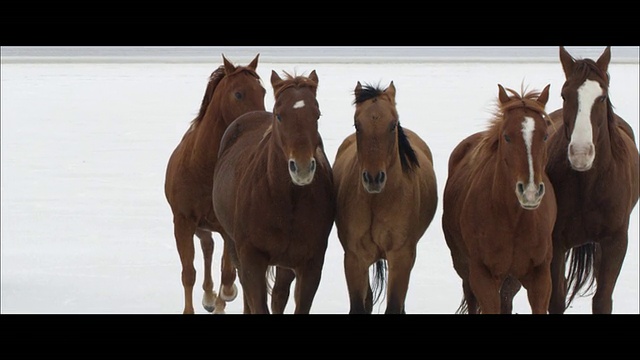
229 297
209 301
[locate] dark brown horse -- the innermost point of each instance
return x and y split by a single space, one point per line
593 166
499 207
386 197
231 92
272 194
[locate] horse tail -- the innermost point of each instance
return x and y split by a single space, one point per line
379 280
271 278
463 308
580 278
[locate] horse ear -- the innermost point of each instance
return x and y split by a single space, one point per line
228 66
604 59
567 62
357 90
502 94
544 95
253 65
391 90
313 76
276 81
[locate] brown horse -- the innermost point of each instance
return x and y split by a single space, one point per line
386 197
272 194
499 207
593 165
231 92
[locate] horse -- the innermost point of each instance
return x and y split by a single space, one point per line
499 207
273 195
594 168
231 91
386 197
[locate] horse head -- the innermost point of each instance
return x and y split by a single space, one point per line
295 123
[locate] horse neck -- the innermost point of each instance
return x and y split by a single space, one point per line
208 135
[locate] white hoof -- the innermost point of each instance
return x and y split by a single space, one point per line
209 301
229 297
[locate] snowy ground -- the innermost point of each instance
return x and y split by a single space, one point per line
86 228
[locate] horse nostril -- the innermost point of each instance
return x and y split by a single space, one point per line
312 166
520 188
366 177
380 178
540 189
292 166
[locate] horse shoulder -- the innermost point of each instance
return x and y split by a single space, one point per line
624 126
461 150
251 121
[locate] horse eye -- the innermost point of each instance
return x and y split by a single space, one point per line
357 127
507 138
238 95
278 117
602 98
545 137
393 127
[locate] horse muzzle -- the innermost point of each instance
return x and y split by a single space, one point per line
302 174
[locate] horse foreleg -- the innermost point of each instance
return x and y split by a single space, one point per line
400 265
486 288
281 289
184 230
612 254
209 296
228 289
307 282
253 271
538 285
357 276
558 301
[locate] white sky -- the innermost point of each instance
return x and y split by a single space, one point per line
86 228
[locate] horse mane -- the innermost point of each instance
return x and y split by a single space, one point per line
298 81
214 79
408 158
490 137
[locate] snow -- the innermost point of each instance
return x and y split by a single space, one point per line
86 228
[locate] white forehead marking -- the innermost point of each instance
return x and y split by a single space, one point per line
299 104
528 126
587 95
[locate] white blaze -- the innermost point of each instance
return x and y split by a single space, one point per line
299 104
528 126
582 133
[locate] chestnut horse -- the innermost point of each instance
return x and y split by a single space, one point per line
593 165
499 207
231 92
272 193
386 197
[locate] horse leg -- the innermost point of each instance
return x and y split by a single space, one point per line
400 265
228 289
357 276
538 285
253 271
183 230
307 282
281 289
558 301
612 253
486 288
206 243
508 291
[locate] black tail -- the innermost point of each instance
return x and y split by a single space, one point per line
580 278
379 280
